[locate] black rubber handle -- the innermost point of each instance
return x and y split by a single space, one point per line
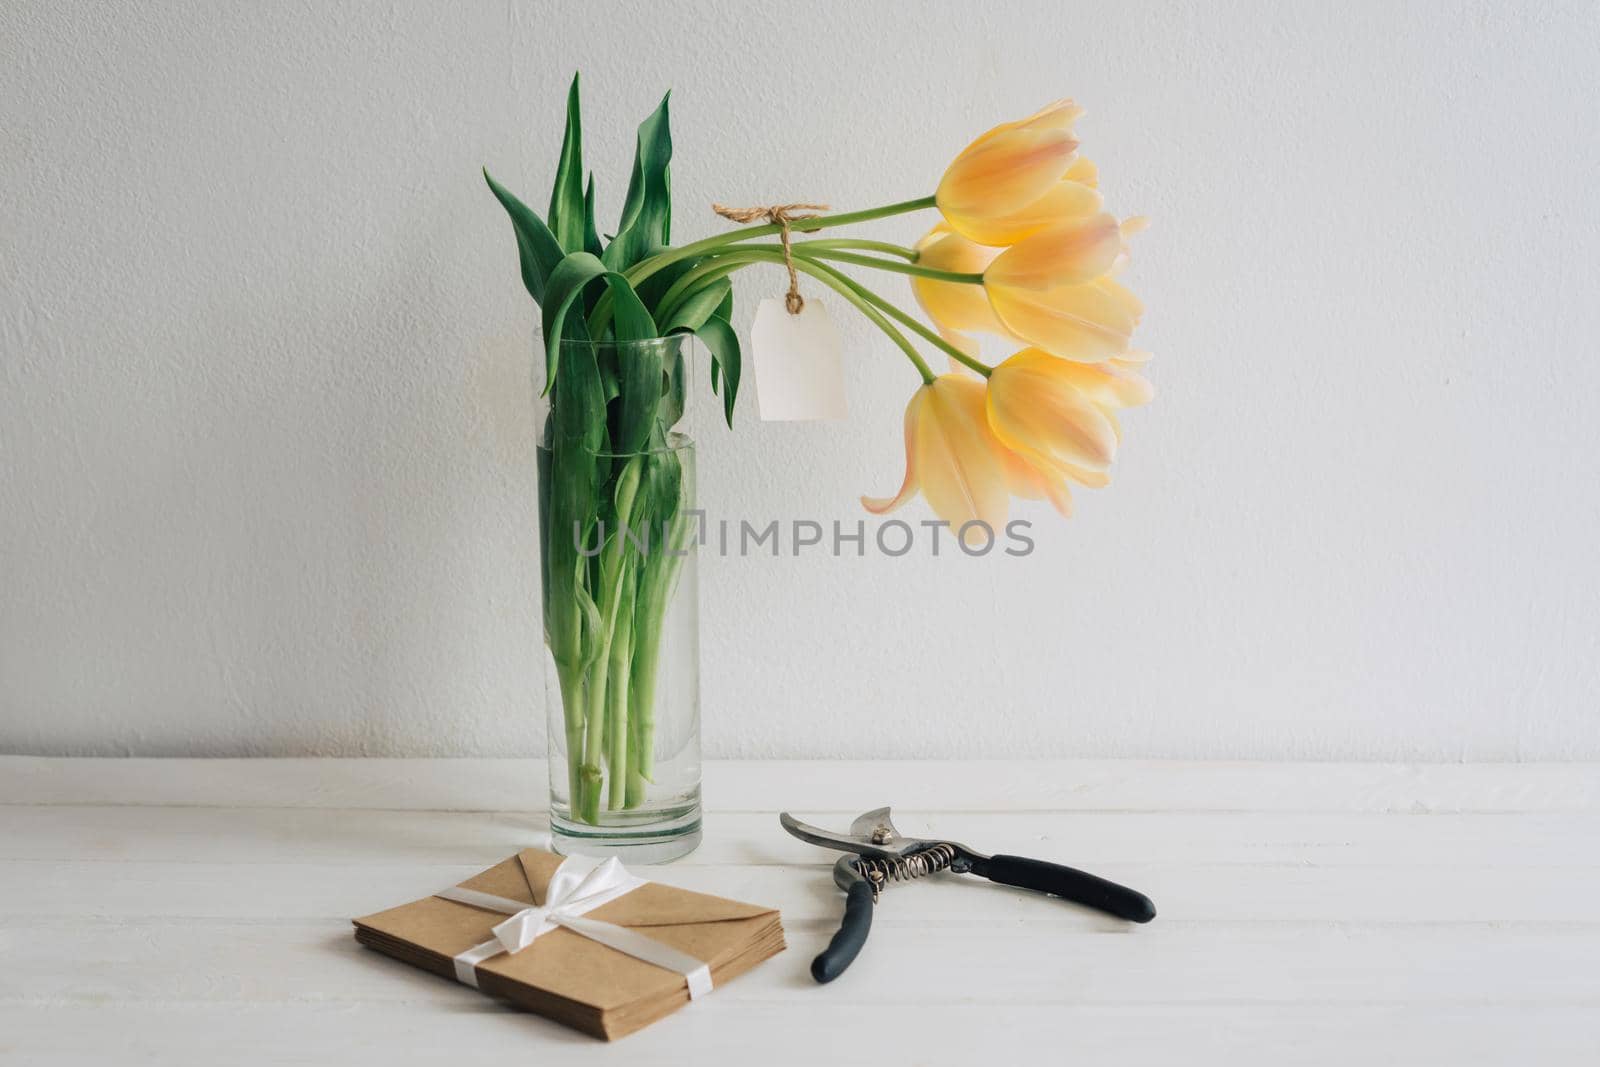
846 944
1071 883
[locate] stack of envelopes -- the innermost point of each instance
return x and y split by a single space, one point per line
564 975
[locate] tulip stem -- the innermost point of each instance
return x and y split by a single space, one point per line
959 277
711 268
931 336
867 302
643 269
665 258
840 284
888 248
730 261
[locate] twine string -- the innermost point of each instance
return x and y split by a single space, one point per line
779 215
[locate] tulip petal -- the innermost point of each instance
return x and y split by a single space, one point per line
1066 200
1111 383
1034 483
1060 497
1056 115
1069 253
955 305
1122 296
958 468
1089 479
1004 173
908 487
1037 411
1087 323
1084 172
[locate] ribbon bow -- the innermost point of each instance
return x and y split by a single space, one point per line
571 894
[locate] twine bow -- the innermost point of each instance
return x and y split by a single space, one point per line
779 215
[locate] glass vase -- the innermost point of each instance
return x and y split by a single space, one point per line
618 534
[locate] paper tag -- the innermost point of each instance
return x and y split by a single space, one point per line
799 372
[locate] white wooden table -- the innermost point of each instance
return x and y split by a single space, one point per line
197 911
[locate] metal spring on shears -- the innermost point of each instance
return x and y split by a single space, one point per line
880 872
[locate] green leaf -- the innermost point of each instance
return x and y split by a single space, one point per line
653 288
538 251
608 368
623 491
569 480
690 316
629 319
594 625
566 283
673 392
697 306
647 210
639 381
591 236
578 411
718 336
660 485
566 199
574 330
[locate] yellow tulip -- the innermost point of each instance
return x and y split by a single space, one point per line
957 309
1114 383
952 457
1056 115
1031 482
1068 253
1006 170
1084 172
1087 323
1065 200
1036 408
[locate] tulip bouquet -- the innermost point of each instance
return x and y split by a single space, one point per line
1023 250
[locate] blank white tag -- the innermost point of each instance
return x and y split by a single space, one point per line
799 373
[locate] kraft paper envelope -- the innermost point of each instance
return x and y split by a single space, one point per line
565 975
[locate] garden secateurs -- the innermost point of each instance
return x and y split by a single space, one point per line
878 855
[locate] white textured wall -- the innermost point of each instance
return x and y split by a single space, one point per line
266 482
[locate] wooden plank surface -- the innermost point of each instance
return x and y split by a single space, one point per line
197 912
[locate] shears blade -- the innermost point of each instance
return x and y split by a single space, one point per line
872 834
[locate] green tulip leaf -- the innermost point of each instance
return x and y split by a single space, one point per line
674 390
566 199
591 236
570 481
578 408
566 283
639 383
697 306
647 209
725 313
660 484
655 287
720 339
538 251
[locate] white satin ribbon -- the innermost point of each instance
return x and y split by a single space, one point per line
570 895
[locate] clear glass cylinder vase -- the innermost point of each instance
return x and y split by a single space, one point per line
618 533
